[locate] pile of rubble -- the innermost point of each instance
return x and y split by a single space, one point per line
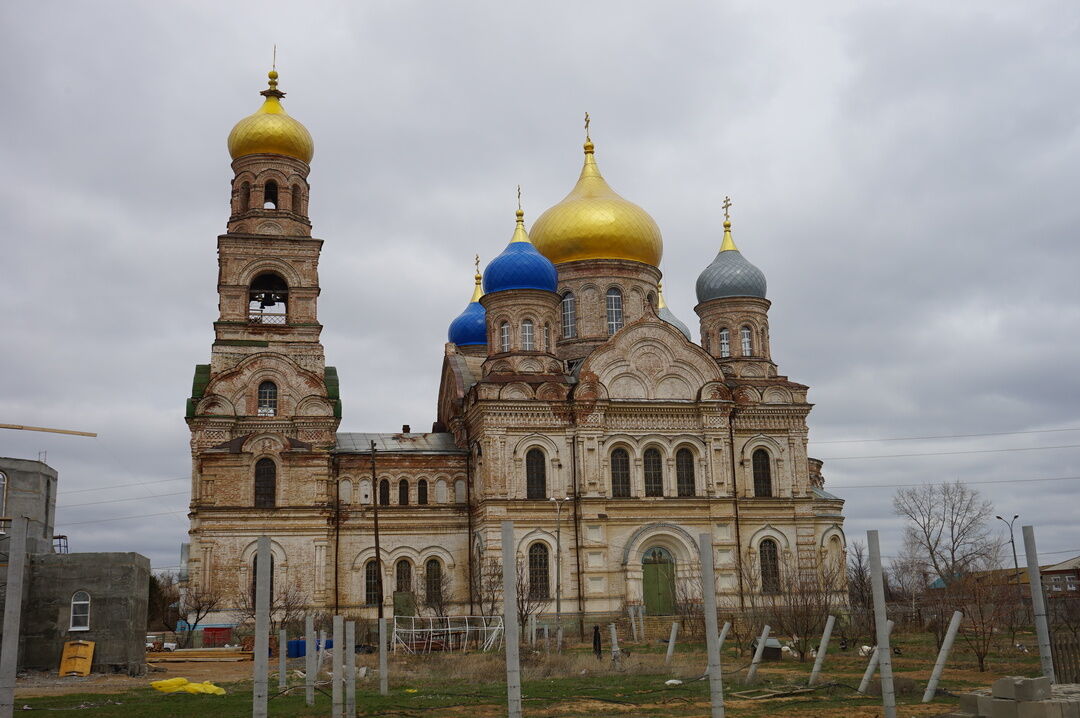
1015 697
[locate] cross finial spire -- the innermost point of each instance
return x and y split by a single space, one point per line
519 197
476 262
587 121
273 65
727 208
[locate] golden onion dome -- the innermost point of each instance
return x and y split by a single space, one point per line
270 130
594 222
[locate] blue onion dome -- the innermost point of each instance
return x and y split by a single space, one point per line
520 266
470 327
730 274
667 315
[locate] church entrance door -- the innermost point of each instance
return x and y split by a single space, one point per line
658 582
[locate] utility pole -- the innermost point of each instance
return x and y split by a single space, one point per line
1012 540
375 496
558 570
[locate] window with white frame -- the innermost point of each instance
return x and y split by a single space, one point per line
614 310
569 316
267 399
528 343
547 337
504 337
80 612
725 343
747 346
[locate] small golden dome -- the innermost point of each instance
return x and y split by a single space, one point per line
594 222
271 130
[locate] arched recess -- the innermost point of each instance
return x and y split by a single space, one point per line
215 405
671 536
279 563
781 484
769 531
314 405
776 395
438 552
532 537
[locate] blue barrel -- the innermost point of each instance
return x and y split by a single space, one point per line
295 648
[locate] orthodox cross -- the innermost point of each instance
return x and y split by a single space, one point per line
587 121
477 263
727 206
519 198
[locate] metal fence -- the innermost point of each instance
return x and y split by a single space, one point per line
1066 652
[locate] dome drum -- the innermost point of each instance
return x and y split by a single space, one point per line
539 307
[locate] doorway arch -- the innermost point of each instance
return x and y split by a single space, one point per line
658 581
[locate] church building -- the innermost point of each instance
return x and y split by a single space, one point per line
572 401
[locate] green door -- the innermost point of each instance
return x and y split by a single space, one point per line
658 582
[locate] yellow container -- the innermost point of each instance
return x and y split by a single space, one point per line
77 658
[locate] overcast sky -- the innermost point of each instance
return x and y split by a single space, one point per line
906 174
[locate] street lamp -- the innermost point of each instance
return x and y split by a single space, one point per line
558 569
1012 540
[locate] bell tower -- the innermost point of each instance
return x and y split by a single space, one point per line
263 413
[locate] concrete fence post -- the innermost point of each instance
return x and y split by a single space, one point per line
614 643
1038 604
283 674
510 622
262 627
350 669
13 594
336 692
712 640
758 652
384 666
877 581
633 623
311 658
942 656
872 666
819 660
671 641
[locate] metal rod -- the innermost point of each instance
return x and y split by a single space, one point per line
350 669
510 622
819 661
1038 604
942 656
21 427
384 667
671 641
758 652
310 660
712 642
262 627
877 581
336 687
13 594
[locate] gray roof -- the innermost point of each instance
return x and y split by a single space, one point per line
414 443
667 315
730 275
820 493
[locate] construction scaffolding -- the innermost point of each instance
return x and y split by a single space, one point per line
424 634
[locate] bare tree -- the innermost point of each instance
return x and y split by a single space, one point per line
288 605
946 527
487 585
988 603
438 592
195 604
530 599
807 594
1064 613
860 619
163 604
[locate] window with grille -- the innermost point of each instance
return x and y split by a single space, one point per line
747 347
265 483
403 574
725 343
535 474
255 578
80 612
267 399
620 474
433 581
614 310
654 473
504 337
770 566
684 472
569 316
547 338
372 589
762 473
384 492
539 573
403 493
528 343
421 492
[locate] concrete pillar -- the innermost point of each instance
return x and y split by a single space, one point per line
614 642
633 623
752 673
350 669
877 581
310 660
712 640
943 655
384 668
871 667
9 653
671 641
336 687
283 676
819 661
1038 604
262 627
510 622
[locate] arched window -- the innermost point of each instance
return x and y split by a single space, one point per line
403 574
651 298
372 589
403 493
421 492
747 346
297 198
265 483
684 472
80 612
569 316
654 473
762 473
504 337
255 578
268 300
245 197
535 475
268 399
528 342
539 574
770 566
384 492
433 582
270 198
459 491
614 310
725 342
547 337
620 474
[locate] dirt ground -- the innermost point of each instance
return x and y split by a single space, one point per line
49 684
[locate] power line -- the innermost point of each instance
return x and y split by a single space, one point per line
941 436
119 518
932 483
129 498
954 453
123 486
